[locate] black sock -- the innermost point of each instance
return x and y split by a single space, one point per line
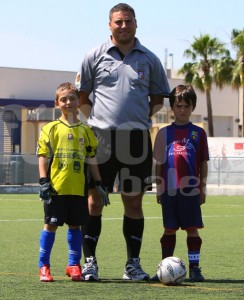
133 231
90 235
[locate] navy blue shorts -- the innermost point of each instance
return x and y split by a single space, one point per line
72 210
127 153
181 209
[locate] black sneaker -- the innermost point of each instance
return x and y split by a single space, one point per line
195 274
155 278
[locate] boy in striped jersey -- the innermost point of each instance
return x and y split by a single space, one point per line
181 154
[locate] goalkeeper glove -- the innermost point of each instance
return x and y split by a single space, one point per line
46 190
102 192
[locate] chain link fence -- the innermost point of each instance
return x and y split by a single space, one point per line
23 170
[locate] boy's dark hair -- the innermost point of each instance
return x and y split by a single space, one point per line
183 92
121 7
66 86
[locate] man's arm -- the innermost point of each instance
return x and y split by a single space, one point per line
85 103
156 103
92 162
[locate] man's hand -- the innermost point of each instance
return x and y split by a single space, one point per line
102 192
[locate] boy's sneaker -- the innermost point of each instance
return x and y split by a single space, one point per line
155 278
74 272
133 270
45 275
90 269
195 274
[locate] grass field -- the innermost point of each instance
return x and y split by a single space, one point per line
222 259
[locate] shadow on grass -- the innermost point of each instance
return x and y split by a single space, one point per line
119 280
186 281
225 281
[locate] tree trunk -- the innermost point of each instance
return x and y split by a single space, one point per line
243 110
210 114
242 84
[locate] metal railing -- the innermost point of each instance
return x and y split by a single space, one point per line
18 169
226 171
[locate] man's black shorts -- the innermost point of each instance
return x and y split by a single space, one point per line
127 153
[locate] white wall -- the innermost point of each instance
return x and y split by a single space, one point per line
41 85
31 84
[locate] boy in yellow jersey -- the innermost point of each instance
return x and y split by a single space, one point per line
65 147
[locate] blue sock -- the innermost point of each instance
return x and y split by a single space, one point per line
74 238
46 243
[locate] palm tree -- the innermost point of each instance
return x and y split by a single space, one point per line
237 40
211 64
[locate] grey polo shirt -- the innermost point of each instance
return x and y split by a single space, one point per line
120 87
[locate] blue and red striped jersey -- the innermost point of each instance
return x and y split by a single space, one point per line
181 149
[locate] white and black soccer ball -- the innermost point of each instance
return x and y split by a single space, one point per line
171 271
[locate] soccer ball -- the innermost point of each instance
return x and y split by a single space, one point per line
171 271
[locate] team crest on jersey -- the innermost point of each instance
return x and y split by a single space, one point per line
194 135
70 136
81 140
140 74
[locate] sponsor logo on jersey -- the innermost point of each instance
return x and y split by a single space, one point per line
77 166
62 165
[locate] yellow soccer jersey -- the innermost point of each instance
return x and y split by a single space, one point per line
67 146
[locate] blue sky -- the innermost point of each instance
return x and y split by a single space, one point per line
55 34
